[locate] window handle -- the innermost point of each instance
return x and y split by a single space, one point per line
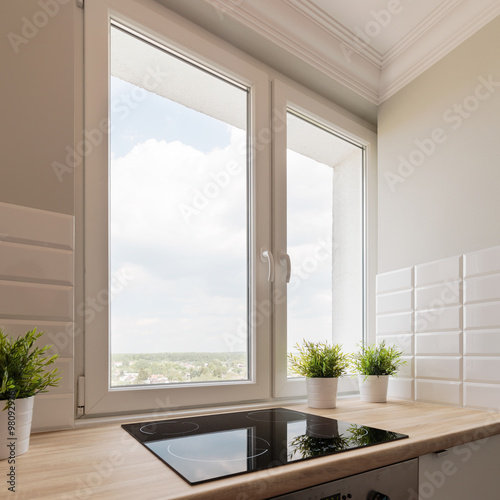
285 260
267 256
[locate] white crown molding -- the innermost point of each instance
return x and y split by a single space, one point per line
332 54
310 10
435 43
303 29
420 30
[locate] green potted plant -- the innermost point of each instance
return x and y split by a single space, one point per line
23 373
374 365
322 364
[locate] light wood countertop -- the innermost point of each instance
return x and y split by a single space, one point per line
105 462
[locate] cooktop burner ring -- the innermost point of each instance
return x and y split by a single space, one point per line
254 439
276 415
158 428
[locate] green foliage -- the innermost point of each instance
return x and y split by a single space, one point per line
178 367
23 371
319 359
377 360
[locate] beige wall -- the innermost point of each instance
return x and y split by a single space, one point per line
444 201
37 103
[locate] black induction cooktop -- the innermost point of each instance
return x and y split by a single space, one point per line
211 447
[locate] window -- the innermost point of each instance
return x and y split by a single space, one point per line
191 229
178 218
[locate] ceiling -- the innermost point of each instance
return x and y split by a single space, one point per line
371 48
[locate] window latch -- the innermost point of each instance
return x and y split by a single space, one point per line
285 261
267 256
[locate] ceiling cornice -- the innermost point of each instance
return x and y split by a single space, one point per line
302 28
330 53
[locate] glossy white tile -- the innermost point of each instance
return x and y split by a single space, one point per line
401 388
53 412
44 302
482 396
482 369
482 288
403 342
35 263
395 280
429 344
482 261
436 296
394 323
395 302
23 224
438 367
440 392
58 334
485 342
439 271
66 371
482 315
443 318
406 370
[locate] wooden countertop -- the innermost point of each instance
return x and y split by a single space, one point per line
105 462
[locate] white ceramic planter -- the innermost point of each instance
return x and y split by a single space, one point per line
322 392
373 388
15 441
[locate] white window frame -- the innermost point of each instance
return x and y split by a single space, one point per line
268 345
287 97
154 21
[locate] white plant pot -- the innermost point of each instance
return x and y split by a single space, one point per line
15 441
322 392
373 388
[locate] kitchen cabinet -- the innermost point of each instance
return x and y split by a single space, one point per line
461 472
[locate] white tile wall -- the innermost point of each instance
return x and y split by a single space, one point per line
438 391
482 396
438 319
437 296
485 342
439 367
401 388
439 271
482 369
395 319
395 323
36 290
482 288
402 342
395 302
482 315
402 279
482 261
435 343
455 329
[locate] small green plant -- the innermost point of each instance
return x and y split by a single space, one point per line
318 359
23 371
377 360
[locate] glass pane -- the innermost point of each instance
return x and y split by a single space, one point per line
178 220
324 236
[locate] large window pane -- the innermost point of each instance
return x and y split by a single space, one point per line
178 220
324 236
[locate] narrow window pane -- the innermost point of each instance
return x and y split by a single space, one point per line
324 236
178 220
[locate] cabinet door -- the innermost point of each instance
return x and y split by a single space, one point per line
463 472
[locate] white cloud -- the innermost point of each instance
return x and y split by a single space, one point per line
189 289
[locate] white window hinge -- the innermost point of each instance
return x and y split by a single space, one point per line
80 397
79 3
